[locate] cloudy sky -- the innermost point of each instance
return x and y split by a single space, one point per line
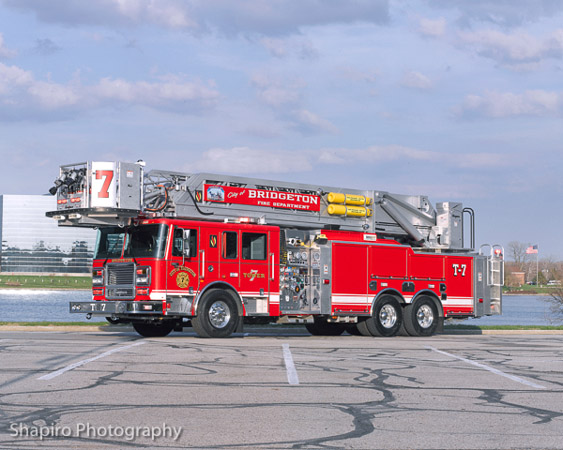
458 100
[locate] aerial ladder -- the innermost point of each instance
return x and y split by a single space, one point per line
94 194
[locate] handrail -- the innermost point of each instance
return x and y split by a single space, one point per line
471 213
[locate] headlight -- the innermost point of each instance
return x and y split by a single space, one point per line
97 277
143 276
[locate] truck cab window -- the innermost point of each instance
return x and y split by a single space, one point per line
145 241
254 246
230 245
178 242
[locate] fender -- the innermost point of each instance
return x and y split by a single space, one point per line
388 291
219 285
433 296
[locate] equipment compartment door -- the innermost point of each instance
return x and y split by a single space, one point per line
349 277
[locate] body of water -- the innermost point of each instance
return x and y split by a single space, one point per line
29 305
34 305
518 310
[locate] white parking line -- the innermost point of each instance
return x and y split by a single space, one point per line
292 377
490 369
52 375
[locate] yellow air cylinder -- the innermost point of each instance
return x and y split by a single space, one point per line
348 199
353 211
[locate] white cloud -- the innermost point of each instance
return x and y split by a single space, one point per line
4 51
432 27
285 99
506 104
109 13
356 75
244 160
506 13
514 49
416 80
308 122
53 96
173 94
12 77
293 46
390 153
272 18
277 93
21 93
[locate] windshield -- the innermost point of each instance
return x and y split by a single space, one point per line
131 242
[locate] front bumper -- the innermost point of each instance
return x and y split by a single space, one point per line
178 307
105 308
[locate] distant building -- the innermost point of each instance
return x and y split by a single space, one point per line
34 243
515 279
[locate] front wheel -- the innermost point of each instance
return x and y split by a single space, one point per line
217 315
421 317
157 329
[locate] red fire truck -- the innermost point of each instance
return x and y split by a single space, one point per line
215 252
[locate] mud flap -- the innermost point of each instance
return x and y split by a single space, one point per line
440 328
240 325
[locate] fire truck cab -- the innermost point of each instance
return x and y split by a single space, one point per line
173 250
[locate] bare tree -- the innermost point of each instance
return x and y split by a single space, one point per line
517 251
555 299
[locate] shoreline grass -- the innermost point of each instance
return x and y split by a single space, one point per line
503 327
54 324
74 282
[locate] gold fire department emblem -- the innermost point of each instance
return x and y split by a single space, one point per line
183 280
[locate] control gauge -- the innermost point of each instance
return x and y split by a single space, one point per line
317 257
297 256
304 256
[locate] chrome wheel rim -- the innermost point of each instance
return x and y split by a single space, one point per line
219 314
388 316
425 316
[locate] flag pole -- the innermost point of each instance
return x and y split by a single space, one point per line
538 266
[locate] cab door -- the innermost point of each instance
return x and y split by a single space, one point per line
229 258
183 266
209 255
255 269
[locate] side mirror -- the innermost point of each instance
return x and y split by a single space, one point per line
186 249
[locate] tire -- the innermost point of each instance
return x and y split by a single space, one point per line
353 329
421 317
386 320
217 315
158 329
323 328
363 328
113 321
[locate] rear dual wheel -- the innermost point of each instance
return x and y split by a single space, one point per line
386 320
421 318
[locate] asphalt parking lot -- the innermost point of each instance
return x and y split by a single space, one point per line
277 391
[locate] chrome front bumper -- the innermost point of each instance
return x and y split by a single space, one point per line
180 307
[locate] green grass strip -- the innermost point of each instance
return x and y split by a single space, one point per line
56 324
45 282
503 327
